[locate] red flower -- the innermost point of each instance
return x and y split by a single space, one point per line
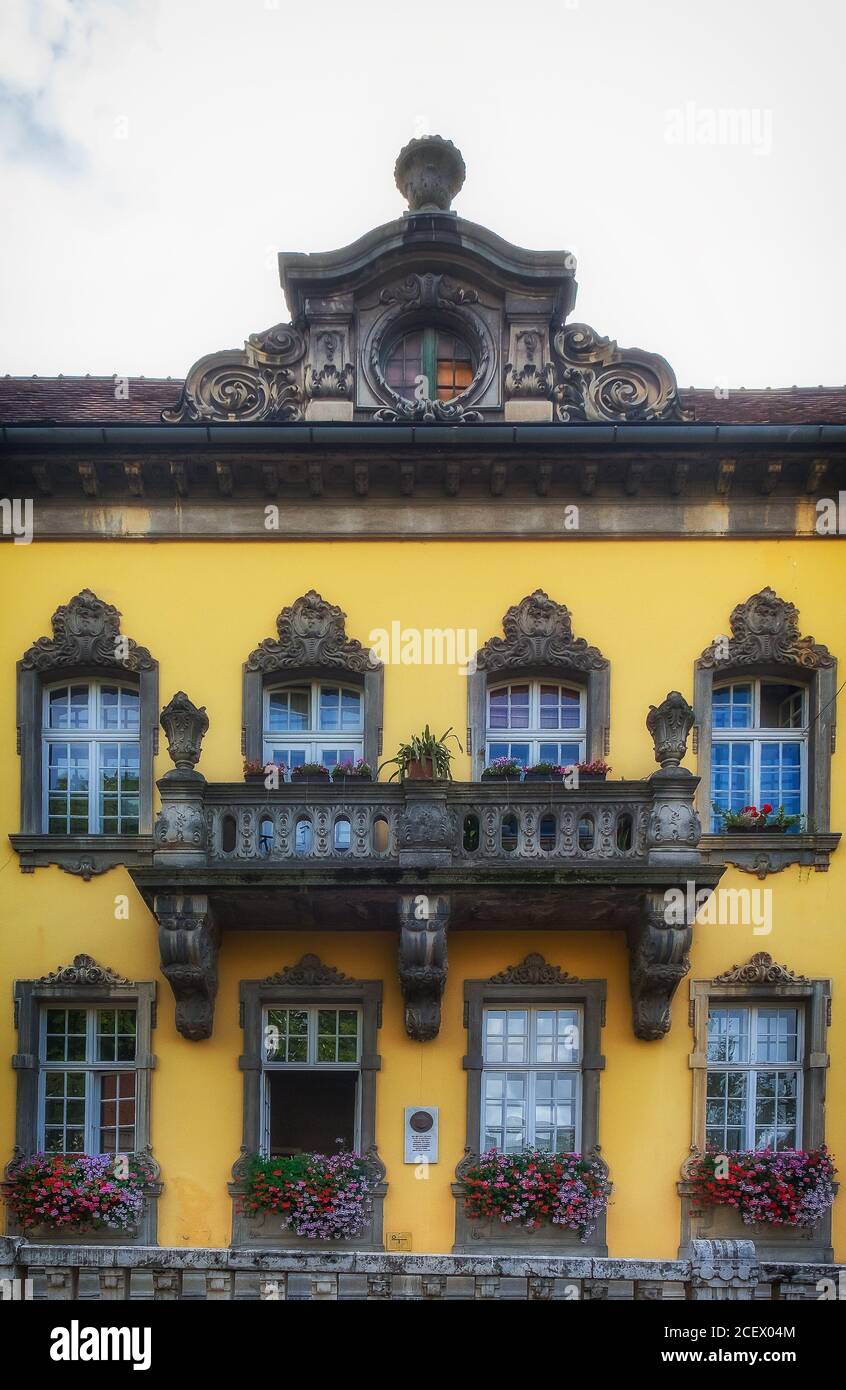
766 808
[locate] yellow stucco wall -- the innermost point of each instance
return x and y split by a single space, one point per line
200 608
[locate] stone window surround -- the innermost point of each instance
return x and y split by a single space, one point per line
763 982
85 984
82 649
777 652
538 645
310 983
532 984
322 652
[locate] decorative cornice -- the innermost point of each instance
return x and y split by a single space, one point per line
534 970
766 629
311 633
84 971
86 631
538 632
312 972
761 969
600 381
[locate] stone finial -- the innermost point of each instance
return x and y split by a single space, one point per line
669 724
184 725
429 172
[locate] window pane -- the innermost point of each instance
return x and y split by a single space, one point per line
728 1035
289 709
781 775
777 1037
731 707
117 1112
119 709
64 1117
67 708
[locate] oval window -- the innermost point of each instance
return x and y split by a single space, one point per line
436 354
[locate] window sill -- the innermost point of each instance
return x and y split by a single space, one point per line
83 855
760 853
475 1237
808 1245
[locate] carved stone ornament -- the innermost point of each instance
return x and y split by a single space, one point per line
311 634
669 724
86 631
761 969
538 632
600 381
423 963
766 629
189 942
429 172
84 971
185 726
530 376
658 962
534 970
429 291
256 383
311 971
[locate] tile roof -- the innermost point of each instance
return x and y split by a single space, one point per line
93 400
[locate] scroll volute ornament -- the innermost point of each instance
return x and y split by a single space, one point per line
538 633
185 726
600 381
86 632
311 634
669 724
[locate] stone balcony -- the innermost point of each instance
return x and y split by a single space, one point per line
419 858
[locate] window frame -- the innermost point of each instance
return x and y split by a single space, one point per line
85 985
312 1064
532 1069
533 734
94 737
309 983
756 735
533 984
93 1069
311 738
753 1066
430 334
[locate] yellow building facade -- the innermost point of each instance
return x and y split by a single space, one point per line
555 495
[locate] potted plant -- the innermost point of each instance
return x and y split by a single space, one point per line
544 772
318 1196
790 1187
311 772
253 771
77 1192
534 1188
424 758
503 769
753 819
595 771
359 771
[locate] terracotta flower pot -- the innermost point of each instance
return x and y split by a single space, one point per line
422 771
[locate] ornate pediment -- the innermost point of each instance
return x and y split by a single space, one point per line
86 632
760 970
311 633
84 971
766 629
538 633
534 970
597 380
310 971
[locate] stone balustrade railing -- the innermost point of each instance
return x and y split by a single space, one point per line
717 1270
490 823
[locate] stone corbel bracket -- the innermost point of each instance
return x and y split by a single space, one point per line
658 962
423 962
189 942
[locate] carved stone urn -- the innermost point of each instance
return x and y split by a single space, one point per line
184 725
429 172
669 724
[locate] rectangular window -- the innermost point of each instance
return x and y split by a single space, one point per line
87 1080
531 1079
311 1062
92 771
754 1090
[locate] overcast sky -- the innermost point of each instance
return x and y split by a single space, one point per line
155 154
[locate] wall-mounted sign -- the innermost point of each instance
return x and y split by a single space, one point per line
421 1134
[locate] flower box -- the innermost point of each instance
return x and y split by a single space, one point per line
532 775
531 1201
308 1202
68 1199
302 774
781 1200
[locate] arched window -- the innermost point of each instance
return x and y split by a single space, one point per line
313 722
443 358
536 721
91 750
759 747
